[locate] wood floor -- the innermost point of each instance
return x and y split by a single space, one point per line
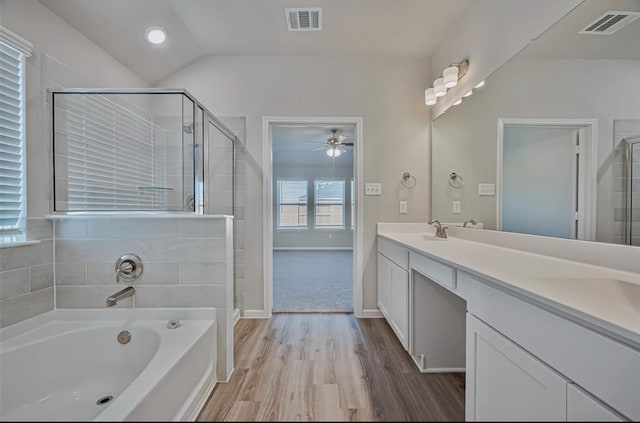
320 367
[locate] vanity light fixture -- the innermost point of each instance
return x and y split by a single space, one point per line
458 101
468 93
439 88
430 97
449 79
480 84
155 35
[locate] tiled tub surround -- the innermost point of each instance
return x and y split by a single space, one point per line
188 262
26 275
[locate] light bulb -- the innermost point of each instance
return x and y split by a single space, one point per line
334 152
468 93
430 97
480 84
450 76
155 35
439 88
457 102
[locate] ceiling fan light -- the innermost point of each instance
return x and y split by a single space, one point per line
450 76
439 88
333 152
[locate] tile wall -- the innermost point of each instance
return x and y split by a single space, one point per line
26 275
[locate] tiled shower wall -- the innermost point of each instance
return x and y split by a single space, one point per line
26 275
624 128
187 263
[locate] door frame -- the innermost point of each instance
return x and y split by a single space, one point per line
587 179
267 200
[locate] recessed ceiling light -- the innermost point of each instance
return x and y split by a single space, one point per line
155 35
480 84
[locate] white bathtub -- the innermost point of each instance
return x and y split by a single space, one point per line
57 366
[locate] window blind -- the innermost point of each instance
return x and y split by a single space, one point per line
12 190
113 157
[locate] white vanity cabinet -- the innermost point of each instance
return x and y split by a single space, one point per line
393 287
509 384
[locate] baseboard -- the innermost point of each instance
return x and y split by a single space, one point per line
312 248
445 370
255 314
236 315
370 313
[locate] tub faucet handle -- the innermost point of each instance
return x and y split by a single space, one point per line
128 267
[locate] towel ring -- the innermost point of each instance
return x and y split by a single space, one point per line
408 180
453 177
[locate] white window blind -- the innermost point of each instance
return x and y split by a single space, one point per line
292 204
12 151
110 157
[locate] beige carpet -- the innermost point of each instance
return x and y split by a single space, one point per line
312 281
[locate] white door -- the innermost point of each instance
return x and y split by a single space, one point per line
540 166
504 382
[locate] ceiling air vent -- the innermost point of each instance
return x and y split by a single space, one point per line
307 19
610 22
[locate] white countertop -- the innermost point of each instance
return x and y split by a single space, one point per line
607 298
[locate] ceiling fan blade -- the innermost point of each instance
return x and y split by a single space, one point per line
316 142
319 148
342 149
348 144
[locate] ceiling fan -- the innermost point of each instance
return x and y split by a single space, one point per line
335 145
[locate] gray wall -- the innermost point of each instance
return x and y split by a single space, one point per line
310 238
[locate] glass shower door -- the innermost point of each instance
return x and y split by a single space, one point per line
633 192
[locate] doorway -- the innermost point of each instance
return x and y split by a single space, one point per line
546 178
312 228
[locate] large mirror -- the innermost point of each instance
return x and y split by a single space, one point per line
551 144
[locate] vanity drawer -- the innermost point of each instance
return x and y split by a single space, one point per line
394 252
438 272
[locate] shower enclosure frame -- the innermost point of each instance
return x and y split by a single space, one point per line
628 173
209 117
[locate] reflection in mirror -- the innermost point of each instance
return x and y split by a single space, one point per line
545 147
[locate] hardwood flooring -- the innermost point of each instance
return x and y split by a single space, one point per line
329 367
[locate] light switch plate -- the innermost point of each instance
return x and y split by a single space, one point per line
486 189
404 208
373 189
457 206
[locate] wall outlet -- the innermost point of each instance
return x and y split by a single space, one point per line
372 189
404 207
486 189
457 207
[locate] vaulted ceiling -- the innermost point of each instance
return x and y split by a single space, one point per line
197 28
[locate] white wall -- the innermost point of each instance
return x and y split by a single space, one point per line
465 138
488 34
311 237
52 36
388 94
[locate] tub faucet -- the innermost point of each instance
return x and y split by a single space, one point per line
473 222
441 231
120 295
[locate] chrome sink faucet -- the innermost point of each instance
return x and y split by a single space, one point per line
441 231
473 222
120 295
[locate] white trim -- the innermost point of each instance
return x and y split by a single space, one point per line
236 316
312 248
255 314
370 313
15 41
444 370
588 196
267 201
